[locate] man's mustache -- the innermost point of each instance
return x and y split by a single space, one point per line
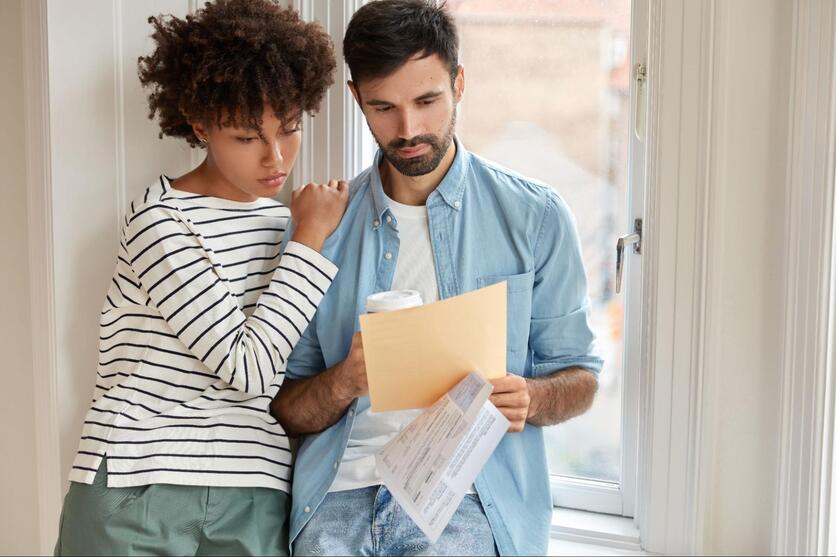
414 142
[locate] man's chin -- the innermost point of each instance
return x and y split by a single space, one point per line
418 166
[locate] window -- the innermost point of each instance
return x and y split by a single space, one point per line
548 95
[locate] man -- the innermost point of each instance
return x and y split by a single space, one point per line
429 216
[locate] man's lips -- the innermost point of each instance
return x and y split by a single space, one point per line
274 180
410 152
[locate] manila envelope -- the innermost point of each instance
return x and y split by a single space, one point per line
414 356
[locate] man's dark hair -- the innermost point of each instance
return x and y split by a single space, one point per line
383 35
229 61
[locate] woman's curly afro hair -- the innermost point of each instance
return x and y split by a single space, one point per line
229 61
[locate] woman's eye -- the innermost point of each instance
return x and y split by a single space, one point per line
293 130
247 139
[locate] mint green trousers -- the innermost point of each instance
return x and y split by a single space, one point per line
165 519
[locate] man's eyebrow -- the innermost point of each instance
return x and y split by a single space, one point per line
428 96
425 97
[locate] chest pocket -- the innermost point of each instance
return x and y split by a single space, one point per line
520 288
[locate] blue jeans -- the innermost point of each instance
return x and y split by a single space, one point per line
368 521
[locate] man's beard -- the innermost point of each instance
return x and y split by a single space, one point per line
423 164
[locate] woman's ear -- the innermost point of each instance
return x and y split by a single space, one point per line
200 132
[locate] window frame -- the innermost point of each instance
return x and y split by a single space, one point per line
619 498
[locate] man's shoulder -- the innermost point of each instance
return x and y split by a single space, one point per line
359 206
358 185
506 182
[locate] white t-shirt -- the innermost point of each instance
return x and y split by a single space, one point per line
415 270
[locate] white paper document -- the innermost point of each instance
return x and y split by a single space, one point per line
431 464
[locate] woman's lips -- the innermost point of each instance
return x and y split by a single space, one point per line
273 181
410 152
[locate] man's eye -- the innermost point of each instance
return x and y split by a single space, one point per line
293 130
430 101
247 139
383 109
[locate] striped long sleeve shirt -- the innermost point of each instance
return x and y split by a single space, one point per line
197 325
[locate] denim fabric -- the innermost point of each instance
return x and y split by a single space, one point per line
368 521
487 225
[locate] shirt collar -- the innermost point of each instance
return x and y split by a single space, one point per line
451 188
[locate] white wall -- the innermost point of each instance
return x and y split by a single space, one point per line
18 501
105 152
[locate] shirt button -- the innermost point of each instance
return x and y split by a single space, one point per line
307 509
351 412
336 465
388 218
388 255
376 223
457 204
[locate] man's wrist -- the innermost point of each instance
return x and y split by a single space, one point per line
533 399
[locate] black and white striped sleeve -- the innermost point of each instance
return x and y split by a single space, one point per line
181 276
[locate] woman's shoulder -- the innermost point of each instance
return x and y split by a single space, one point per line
161 200
153 200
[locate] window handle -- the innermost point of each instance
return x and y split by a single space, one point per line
636 240
640 75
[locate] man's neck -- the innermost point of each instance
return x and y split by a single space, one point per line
414 190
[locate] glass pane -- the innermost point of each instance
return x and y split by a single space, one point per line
547 95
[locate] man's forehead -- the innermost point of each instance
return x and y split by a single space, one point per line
417 77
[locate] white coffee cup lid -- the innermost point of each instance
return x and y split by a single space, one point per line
393 300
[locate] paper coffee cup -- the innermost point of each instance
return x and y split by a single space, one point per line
393 300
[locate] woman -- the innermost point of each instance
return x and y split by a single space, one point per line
179 454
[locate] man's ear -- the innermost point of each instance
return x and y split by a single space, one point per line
458 84
355 93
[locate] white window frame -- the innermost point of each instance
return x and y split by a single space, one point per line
619 498
673 444
333 142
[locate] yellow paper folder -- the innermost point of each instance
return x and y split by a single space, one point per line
414 356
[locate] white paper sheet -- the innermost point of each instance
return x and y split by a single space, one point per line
430 465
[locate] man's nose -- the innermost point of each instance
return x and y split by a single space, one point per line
408 125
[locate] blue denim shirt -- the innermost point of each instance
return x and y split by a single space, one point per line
487 225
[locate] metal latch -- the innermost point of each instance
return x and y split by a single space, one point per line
639 115
636 240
